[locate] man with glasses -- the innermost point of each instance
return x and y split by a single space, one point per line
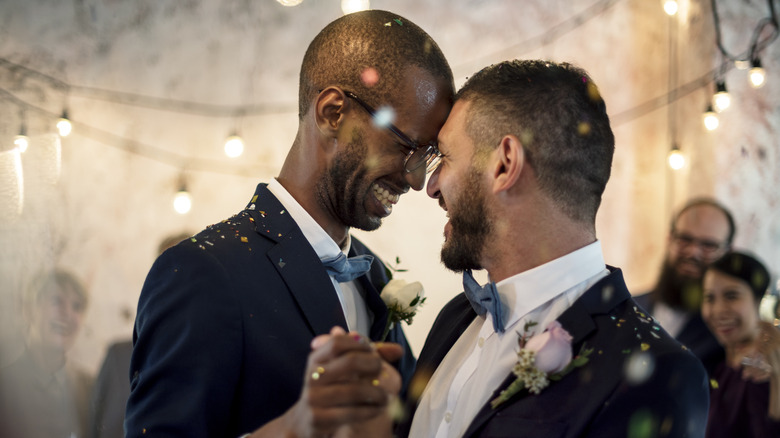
226 319
699 234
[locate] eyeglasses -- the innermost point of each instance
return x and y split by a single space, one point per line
427 155
707 246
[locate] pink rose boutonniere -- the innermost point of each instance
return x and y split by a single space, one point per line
544 357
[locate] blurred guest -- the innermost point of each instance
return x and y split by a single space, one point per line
41 393
701 232
745 393
112 388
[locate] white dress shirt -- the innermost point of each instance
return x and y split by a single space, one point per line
481 359
350 293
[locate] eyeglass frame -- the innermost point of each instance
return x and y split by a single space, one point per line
430 150
707 246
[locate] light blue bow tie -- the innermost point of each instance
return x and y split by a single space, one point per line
484 299
347 269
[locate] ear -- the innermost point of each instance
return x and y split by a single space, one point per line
329 111
509 160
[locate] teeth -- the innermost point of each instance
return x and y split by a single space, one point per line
385 197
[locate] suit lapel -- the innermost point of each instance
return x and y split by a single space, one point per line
578 321
296 262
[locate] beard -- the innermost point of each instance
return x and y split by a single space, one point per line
471 226
678 291
342 190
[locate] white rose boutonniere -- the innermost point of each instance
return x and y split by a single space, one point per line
544 357
402 300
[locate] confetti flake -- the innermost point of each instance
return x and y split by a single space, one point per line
398 20
281 263
281 212
645 346
244 239
252 207
254 199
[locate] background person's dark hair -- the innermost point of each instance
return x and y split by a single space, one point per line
746 268
698 202
556 111
384 41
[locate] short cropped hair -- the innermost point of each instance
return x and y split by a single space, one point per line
746 268
705 201
557 112
381 40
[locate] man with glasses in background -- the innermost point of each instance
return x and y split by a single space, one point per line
700 233
226 319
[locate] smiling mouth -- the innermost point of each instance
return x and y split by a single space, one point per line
385 197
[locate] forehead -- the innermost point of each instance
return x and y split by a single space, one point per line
66 291
424 101
703 221
718 282
454 130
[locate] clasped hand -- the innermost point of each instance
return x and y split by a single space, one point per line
348 386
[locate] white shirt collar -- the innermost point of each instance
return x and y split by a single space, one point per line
321 241
528 290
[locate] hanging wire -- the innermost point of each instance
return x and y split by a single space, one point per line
756 44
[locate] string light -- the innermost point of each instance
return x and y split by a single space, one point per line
676 158
350 6
234 146
182 201
721 100
670 7
756 74
64 127
711 121
21 141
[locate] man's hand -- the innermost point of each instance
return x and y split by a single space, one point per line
347 388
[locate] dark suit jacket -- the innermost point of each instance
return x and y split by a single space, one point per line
224 324
695 335
597 399
109 396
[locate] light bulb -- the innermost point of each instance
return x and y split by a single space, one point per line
63 125
711 121
350 6
676 159
721 100
182 201
756 74
21 142
289 2
670 7
234 146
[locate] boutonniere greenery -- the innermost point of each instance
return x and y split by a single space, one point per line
401 298
542 358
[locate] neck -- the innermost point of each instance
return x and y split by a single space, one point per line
300 174
48 359
532 240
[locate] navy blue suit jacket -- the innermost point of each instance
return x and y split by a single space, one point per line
225 321
597 399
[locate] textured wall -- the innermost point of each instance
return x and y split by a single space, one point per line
153 88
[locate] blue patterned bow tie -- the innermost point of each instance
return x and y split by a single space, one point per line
484 299
347 269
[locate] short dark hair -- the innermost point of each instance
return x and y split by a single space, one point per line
746 268
707 201
376 39
556 111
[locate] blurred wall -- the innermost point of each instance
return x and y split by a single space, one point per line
154 87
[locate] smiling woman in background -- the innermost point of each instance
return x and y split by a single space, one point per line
41 395
745 388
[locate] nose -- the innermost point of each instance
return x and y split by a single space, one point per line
433 185
416 178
